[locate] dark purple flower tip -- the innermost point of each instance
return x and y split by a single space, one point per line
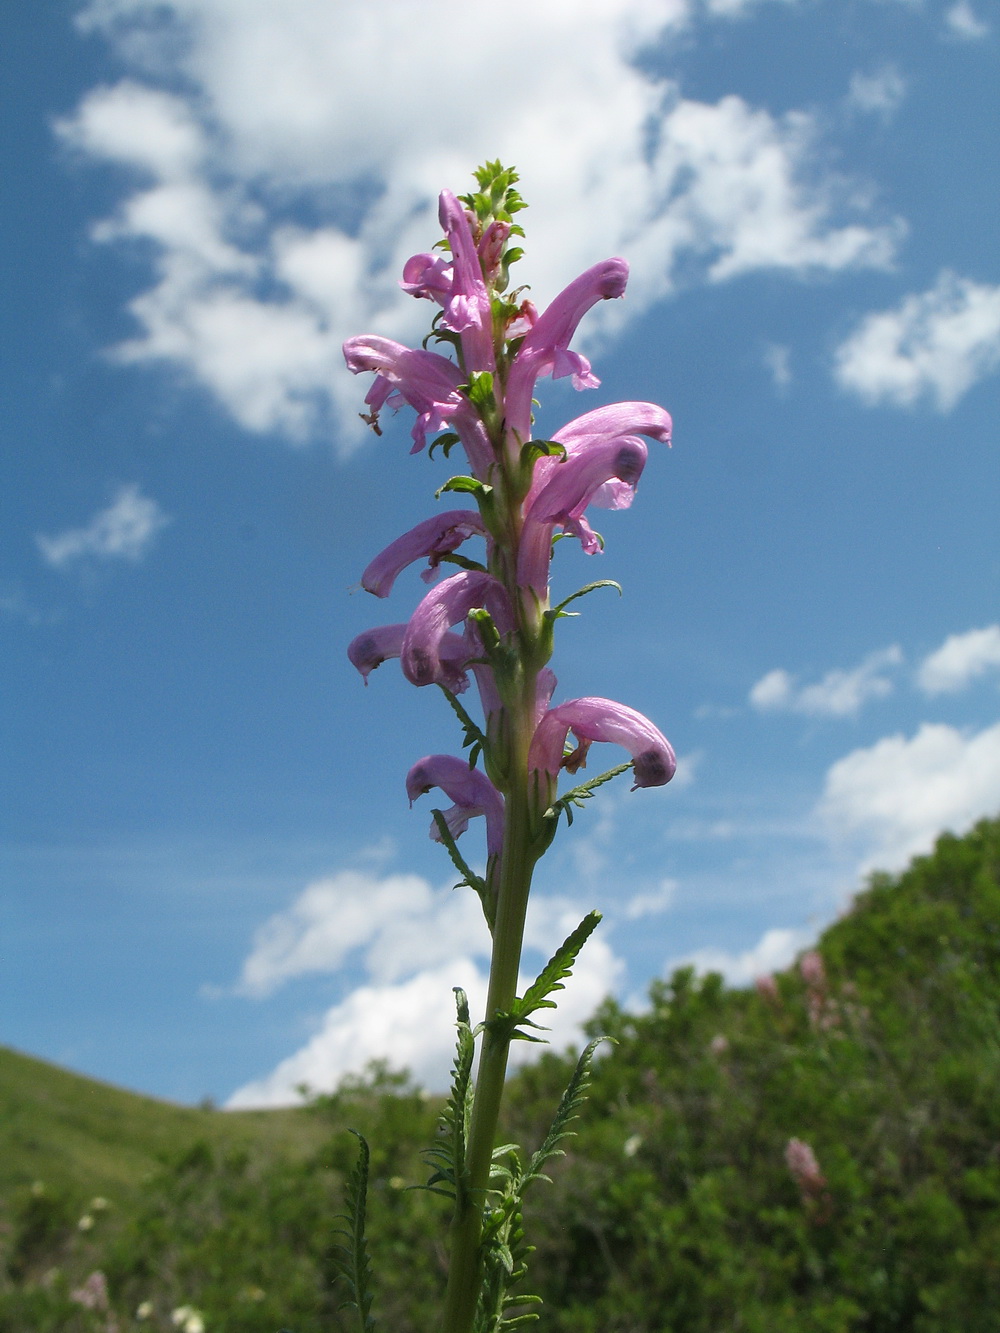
375 646
595 719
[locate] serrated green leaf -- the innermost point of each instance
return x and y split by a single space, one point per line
469 878
354 1265
577 795
568 1111
507 1025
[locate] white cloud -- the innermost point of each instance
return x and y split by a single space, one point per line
838 694
894 798
879 92
612 159
652 904
415 943
936 344
960 660
774 951
777 359
963 22
123 531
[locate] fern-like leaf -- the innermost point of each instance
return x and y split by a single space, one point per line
351 1252
473 736
447 1157
469 877
508 1024
577 795
568 1111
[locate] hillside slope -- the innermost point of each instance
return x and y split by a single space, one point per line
820 1154
79 1134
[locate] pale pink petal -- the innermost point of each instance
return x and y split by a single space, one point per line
435 537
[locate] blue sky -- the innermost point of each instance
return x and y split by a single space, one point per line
212 882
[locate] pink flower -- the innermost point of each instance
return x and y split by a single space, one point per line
427 276
467 310
767 988
545 350
593 719
429 383
93 1294
812 969
801 1162
471 790
375 646
565 490
435 537
446 605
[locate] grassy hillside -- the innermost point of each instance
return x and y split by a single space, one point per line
817 1155
89 1138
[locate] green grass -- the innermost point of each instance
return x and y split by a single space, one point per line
83 1137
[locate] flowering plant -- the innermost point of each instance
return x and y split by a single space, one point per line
493 620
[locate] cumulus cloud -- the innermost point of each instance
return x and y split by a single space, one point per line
414 943
777 359
654 903
838 694
892 799
964 22
252 301
774 951
937 344
879 92
961 659
123 531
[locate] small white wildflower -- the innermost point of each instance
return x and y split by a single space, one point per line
85 1223
179 1315
99 1204
632 1145
194 1323
144 1310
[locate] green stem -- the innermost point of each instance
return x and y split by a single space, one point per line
517 863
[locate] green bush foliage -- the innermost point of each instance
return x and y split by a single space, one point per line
675 1209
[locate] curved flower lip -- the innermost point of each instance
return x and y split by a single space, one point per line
569 485
594 719
435 537
565 491
429 383
467 306
375 646
470 789
444 606
546 345
616 419
427 276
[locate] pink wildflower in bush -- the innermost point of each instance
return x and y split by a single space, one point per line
93 1295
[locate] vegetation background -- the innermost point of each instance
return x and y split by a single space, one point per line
678 1208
